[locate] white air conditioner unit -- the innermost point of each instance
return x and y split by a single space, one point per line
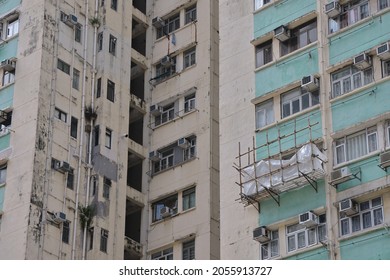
261 234
8 65
341 175
71 20
59 217
165 212
166 61
383 51
282 33
158 22
308 219
155 156
183 143
64 167
384 159
362 61
155 110
348 207
310 83
3 130
332 9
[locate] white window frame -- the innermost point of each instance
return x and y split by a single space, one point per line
167 161
112 45
170 201
350 78
301 36
260 3
12 28
190 152
60 115
104 240
189 199
189 58
385 68
163 72
3 174
189 103
294 100
167 114
76 79
356 223
8 77
387 133
385 3
264 113
263 54
100 41
170 25
188 250
190 14
270 250
353 14
341 145
166 254
108 138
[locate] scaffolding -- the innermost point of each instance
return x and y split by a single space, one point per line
274 174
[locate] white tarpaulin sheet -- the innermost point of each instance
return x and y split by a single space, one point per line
270 173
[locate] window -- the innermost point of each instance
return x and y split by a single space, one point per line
103 240
298 100
165 162
189 103
260 3
12 28
356 145
95 181
112 45
3 174
65 232
300 37
8 77
190 151
351 13
114 4
271 249
386 68
63 66
96 132
190 14
383 4
108 138
264 113
300 236
100 41
170 25
90 237
164 72
189 199
263 54
106 187
76 79
77 33
168 113
350 78
189 250
73 127
159 206
60 115
70 179
189 57
166 254
111 91
102 3
98 87
370 215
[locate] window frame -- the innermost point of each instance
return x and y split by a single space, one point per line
77 33
107 184
70 179
8 78
108 138
190 14
355 78
3 174
60 115
114 5
385 67
100 41
257 4
112 44
171 24
296 97
110 90
73 127
188 250
189 102
165 72
76 79
12 28
65 232
169 201
168 113
263 54
264 113
166 254
63 66
189 199
387 4
104 234
189 58
270 246
190 152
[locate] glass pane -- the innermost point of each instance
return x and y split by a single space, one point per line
311 234
340 156
364 205
368 76
336 89
301 240
305 101
291 243
356 146
376 202
286 110
355 223
357 80
366 220
378 216
321 233
372 143
364 11
274 248
264 252
347 85
295 106
344 226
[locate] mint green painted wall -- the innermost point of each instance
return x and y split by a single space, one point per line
7 5
8 50
316 254
371 246
344 46
280 14
6 96
288 70
2 190
292 204
361 105
4 141
370 171
287 128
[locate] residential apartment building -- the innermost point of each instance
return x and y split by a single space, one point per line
312 155
109 117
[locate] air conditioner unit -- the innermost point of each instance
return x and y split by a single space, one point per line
183 143
155 156
158 22
59 217
332 9
282 33
362 61
71 20
261 234
166 61
348 207
155 110
341 175
165 212
63 167
8 65
3 130
383 51
310 83
308 219
384 159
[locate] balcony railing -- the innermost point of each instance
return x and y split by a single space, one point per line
133 247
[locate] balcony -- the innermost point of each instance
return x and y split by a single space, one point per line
133 249
137 103
135 197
